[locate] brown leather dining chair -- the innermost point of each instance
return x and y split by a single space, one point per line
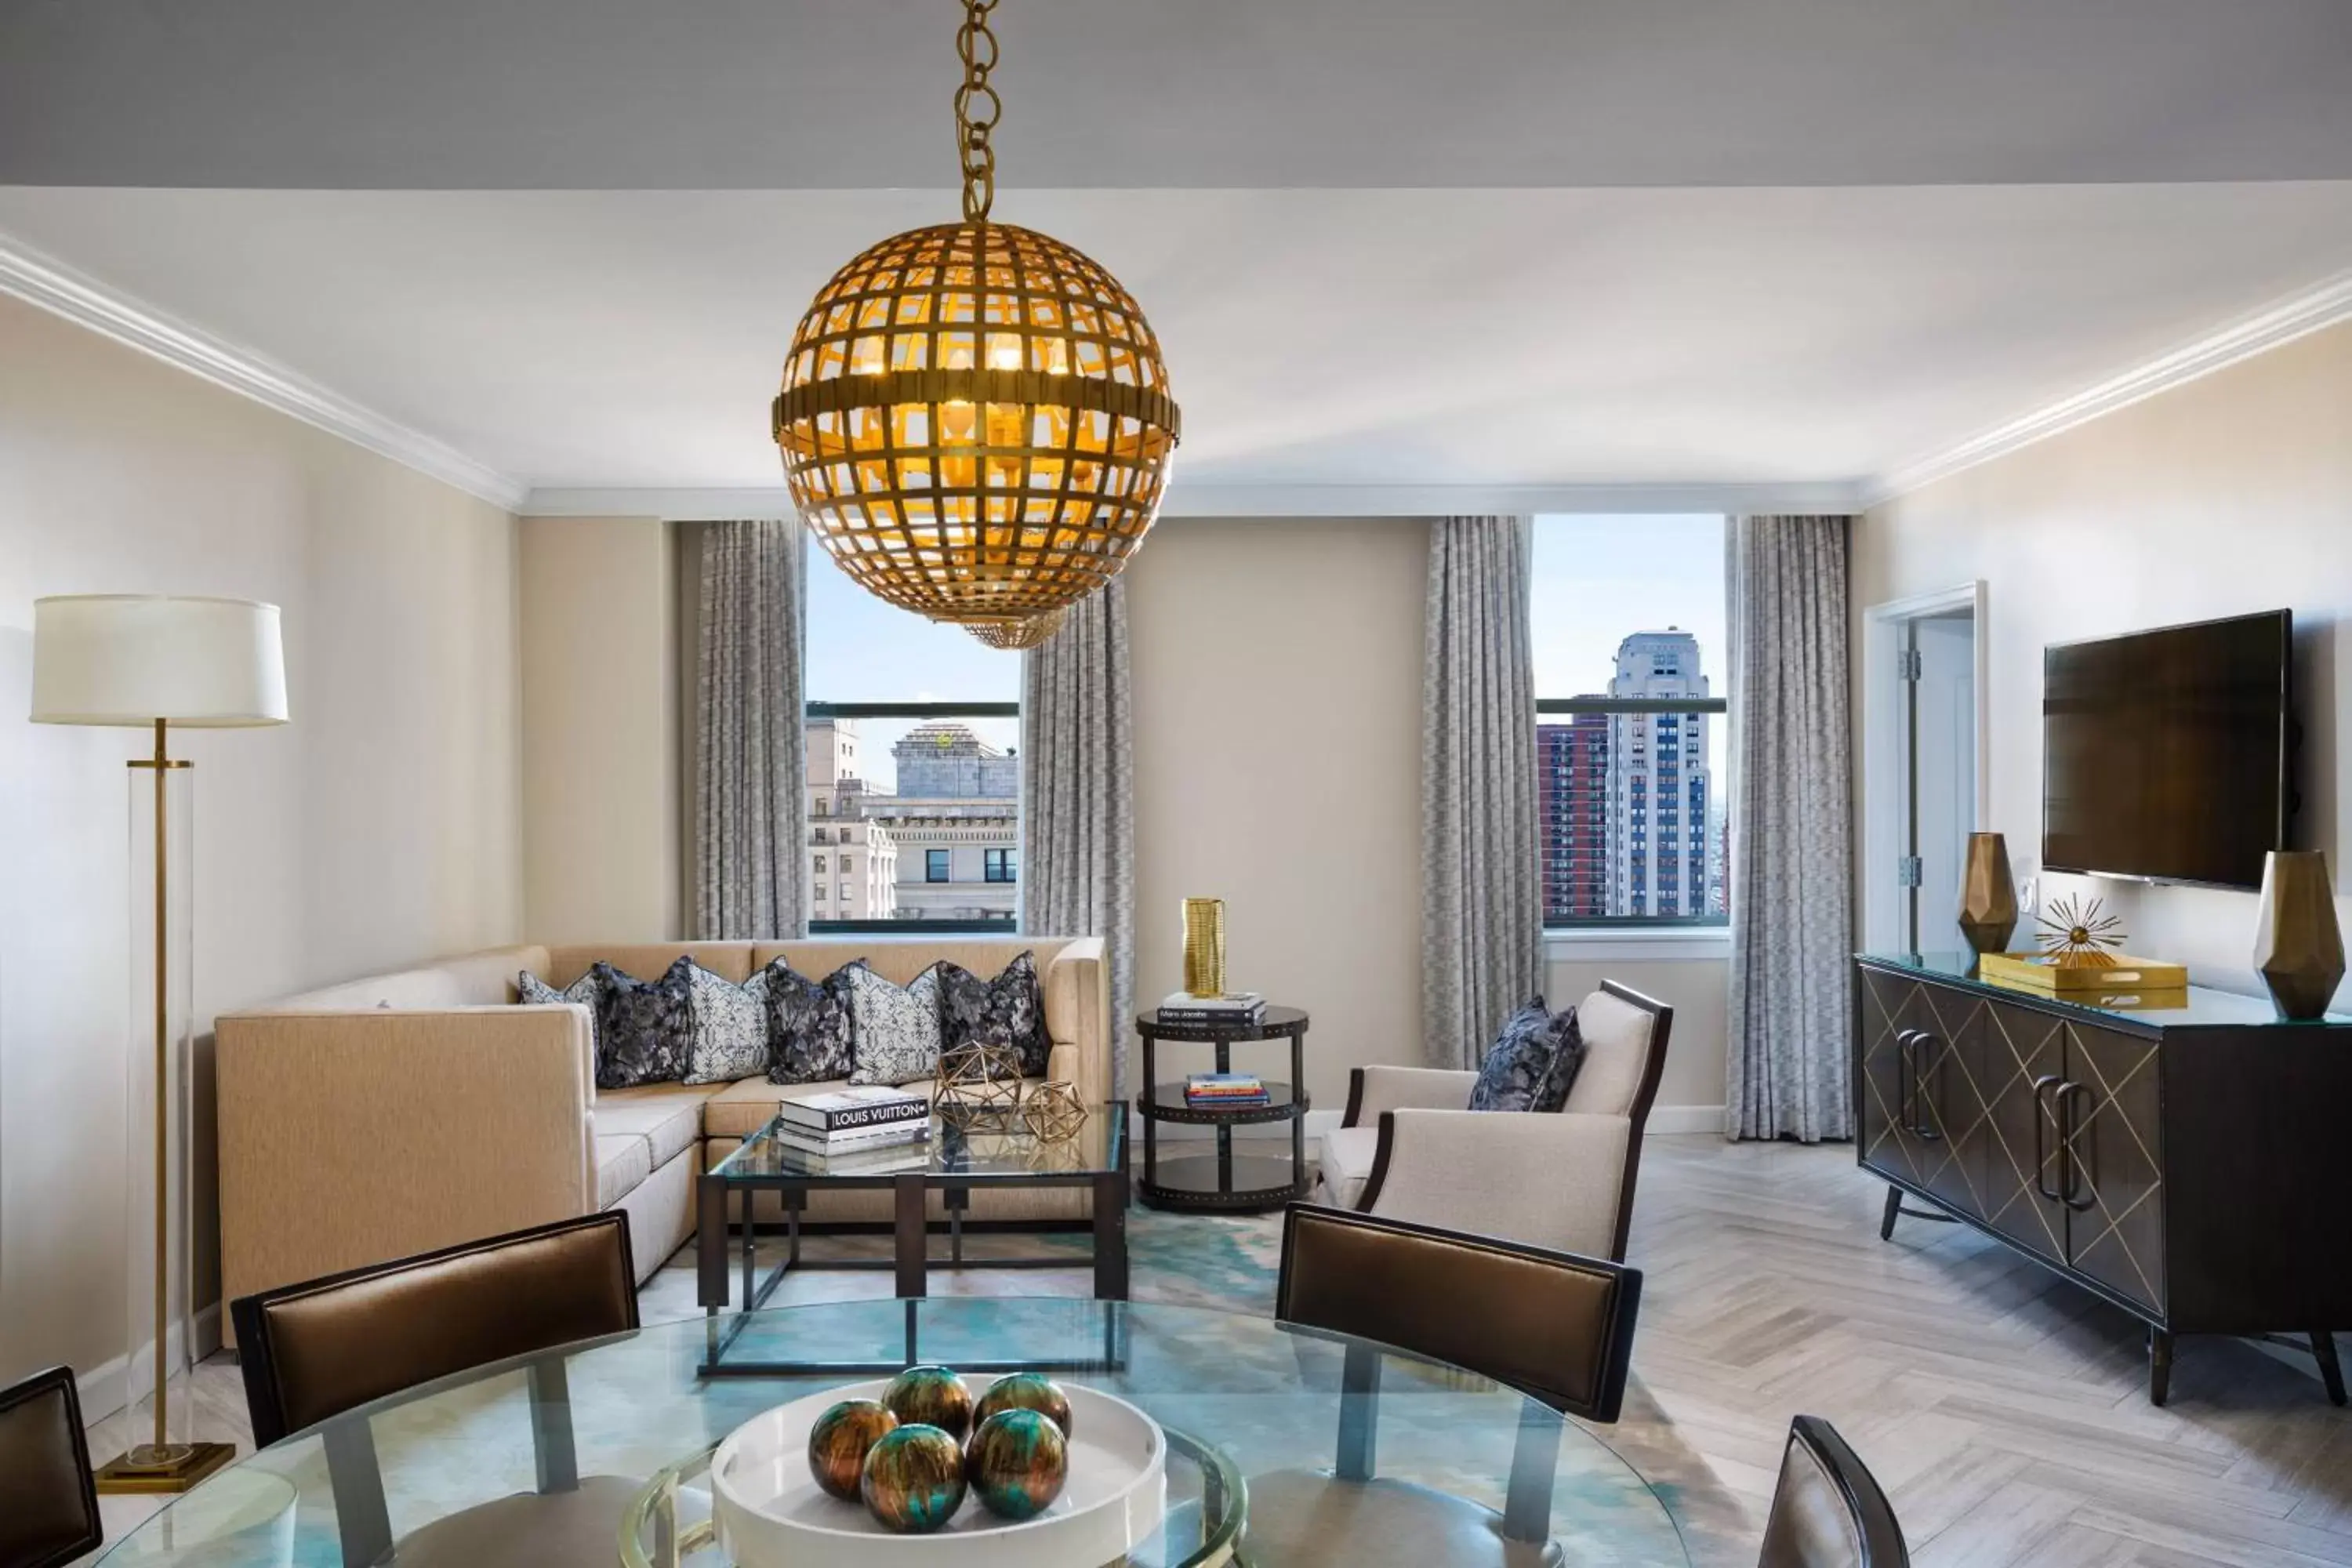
48 1504
1554 1326
1827 1509
315 1352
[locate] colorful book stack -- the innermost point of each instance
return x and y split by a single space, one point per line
1234 1008
1224 1090
853 1122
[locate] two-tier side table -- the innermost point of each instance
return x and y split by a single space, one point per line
1225 1182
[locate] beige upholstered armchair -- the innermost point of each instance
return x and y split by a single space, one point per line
1408 1150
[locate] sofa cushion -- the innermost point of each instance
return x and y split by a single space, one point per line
566 964
809 1024
1008 1011
1519 1070
668 1116
731 1027
645 1028
588 992
896 1027
623 1160
1347 1156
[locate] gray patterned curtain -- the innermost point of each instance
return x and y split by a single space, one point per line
750 808
1482 903
1078 794
1792 832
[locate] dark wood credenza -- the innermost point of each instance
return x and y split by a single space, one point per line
2192 1163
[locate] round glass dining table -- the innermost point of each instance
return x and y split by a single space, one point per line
1262 1419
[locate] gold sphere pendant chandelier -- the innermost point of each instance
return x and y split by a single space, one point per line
975 420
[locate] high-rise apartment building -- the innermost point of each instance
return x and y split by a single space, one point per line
1572 816
853 862
1659 782
956 823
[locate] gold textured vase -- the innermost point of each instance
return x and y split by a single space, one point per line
1988 894
2298 947
1204 947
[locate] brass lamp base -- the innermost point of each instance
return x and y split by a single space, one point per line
174 1467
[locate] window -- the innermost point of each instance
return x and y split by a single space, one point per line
914 734
820 864
1629 646
1000 865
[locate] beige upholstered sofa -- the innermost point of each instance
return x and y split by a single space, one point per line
412 1111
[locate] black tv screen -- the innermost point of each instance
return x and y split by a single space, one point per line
2164 755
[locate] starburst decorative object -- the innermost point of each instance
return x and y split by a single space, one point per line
2077 935
975 419
980 1088
1054 1113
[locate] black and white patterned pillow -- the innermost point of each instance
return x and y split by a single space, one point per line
644 1031
1567 1061
897 1027
731 1026
1009 1010
588 992
810 1023
1515 1073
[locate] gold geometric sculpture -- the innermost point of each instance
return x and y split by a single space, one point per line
978 1087
975 419
2076 935
1053 1114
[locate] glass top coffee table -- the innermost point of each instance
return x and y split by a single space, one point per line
994 1154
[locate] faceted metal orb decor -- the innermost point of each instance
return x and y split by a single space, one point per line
975 423
1054 1113
1031 633
980 1088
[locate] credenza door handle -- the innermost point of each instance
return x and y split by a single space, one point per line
1903 1087
1921 1123
2040 1150
2070 1156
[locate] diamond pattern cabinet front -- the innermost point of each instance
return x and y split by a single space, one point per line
1950 1126
2115 1179
2021 1057
1890 1009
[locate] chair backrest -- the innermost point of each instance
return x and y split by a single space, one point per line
316 1350
1557 1326
48 1506
1827 1511
1625 1035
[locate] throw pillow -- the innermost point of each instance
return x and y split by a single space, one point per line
809 1021
731 1026
588 992
1009 1010
897 1027
645 1031
1567 1059
1513 1074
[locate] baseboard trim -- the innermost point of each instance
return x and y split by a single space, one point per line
102 1387
1667 1119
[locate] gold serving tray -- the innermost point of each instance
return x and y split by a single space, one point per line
2047 976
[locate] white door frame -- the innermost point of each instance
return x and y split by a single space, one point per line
1883 820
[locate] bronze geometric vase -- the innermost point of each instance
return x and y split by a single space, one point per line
1988 895
2298 947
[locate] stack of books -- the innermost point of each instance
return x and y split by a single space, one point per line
1233 1007
1224 1090
853 1122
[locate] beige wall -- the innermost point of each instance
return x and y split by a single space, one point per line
2229 494
600 715
381 828
1690 1090
1277 678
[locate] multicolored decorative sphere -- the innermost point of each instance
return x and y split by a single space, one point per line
913 1481
1016 1462
931 1396
1025 1391
838 1442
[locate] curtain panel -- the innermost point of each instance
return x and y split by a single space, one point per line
1792 1026
1077 795
751 809
1482 901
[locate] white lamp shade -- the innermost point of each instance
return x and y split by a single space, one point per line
132 658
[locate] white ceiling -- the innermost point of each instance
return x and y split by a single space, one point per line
1132 94
1363 337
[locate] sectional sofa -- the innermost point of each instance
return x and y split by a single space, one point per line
411 1110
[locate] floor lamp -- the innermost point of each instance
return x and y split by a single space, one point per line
148 662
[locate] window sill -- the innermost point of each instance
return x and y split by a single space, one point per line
1632 944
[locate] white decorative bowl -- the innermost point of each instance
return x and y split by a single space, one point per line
771 1513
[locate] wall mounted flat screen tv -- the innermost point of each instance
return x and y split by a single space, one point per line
2164 753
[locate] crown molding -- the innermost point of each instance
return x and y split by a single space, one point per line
1269 500
42 281
2297 316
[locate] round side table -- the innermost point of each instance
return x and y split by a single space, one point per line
1222 1182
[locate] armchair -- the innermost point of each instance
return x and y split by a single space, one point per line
1408 1150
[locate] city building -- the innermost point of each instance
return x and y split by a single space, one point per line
956 824
1659 787
853 861
1572 816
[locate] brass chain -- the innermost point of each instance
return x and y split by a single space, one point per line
977 110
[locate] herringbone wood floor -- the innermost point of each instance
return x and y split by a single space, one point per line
2005 1411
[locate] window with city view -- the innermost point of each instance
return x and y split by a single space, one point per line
1629 644
914 779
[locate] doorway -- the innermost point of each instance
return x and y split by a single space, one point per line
1925 772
